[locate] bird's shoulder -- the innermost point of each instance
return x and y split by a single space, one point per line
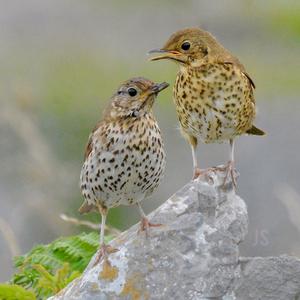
232 60
99 133
239 67
109 134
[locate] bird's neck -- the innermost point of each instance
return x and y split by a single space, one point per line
197 63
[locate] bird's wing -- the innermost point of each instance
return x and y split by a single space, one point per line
234 61
227 58
86 206
238 64
253 130
89 145
249 78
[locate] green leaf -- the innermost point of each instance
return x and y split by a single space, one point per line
47 269
15 292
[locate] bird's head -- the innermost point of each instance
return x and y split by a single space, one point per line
191 46
134 98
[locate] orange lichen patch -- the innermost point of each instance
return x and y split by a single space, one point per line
130 289
108 272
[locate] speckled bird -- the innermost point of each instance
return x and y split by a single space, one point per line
213 93
124 158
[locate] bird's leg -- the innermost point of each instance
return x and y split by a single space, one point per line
230 166
145 224
104 249
193 142
197 171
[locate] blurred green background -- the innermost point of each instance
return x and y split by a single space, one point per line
60 61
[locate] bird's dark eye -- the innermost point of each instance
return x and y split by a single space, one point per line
132 92
185 46
134 114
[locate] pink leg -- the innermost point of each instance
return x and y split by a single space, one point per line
197 171
103 252
145 224
230 170
104 249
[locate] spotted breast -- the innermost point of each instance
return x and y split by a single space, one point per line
214 102
125 164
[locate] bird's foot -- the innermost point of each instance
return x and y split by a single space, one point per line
103 253
203 172
230 171
146 224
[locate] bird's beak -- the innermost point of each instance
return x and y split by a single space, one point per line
152 92
158 87
167 54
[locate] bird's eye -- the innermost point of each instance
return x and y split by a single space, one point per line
132 92
134 114
185 46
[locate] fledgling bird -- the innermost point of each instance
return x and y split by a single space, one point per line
124 158
213 93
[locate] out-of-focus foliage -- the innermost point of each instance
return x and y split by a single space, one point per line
49 284
47 269
15 292
287 20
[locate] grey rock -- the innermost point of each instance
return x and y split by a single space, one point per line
268 278
194 255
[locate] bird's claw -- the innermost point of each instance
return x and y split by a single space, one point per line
145 225
230 171
203 172
103 252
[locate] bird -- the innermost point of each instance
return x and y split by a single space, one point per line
213 93
124 160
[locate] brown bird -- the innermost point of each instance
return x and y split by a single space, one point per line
213 93
124 158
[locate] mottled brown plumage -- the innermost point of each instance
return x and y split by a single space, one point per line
124 158
213 93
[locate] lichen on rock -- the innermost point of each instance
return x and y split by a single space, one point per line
194 255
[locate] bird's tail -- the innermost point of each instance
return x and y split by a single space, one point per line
255 131
86 207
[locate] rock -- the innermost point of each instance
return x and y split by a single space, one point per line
268 278
194 255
